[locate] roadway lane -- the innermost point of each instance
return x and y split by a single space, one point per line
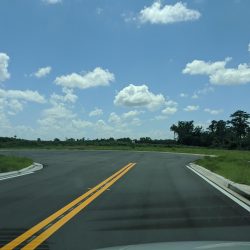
158 200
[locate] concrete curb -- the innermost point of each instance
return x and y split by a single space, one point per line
28 170
240 191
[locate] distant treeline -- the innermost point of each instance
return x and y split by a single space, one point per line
6 142
231 134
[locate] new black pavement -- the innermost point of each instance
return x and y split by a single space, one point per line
159 200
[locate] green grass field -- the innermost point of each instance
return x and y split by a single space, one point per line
233 165
13 163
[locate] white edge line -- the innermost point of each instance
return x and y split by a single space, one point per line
242 204
14 176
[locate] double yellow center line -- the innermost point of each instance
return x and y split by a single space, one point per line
50 225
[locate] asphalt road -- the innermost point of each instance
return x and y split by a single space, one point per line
158 200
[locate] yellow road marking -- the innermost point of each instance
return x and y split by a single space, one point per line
46 234
26 235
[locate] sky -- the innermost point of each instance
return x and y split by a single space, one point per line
115 68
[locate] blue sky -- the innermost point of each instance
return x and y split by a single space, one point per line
114 68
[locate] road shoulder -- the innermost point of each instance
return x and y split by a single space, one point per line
239 191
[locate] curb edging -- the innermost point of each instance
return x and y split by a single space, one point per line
30 169
231 187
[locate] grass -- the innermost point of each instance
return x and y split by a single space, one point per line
233 165
13 163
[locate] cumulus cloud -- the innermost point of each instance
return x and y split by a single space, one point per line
171 107
126 119
114 118
80 124
232 76
139 96
167 14
57 118
169 110
199 67
4 63
25 95
69 97
15 106
96 112
218 73
131 114
52 1
191 108
12 101
42 72
58 112
97 77
213 111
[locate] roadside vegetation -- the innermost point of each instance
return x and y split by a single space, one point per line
13 163
233 165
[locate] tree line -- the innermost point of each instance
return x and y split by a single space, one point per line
231 134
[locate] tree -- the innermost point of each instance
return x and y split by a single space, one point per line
145 140
212 126
240 123
184 131
218 131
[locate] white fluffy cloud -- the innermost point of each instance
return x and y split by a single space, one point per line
157 13
114 118
125 120
52 1
169 110
80 124
199 67
96 112
191 108
56 118
213 111
131 114
171 107
42 72
218 73
12 101
69 97
4 63
232 76
139 96
25 95
97 77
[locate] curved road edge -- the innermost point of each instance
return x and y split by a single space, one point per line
28 170
239 191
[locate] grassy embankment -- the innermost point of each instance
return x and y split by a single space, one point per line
13 163
233 165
